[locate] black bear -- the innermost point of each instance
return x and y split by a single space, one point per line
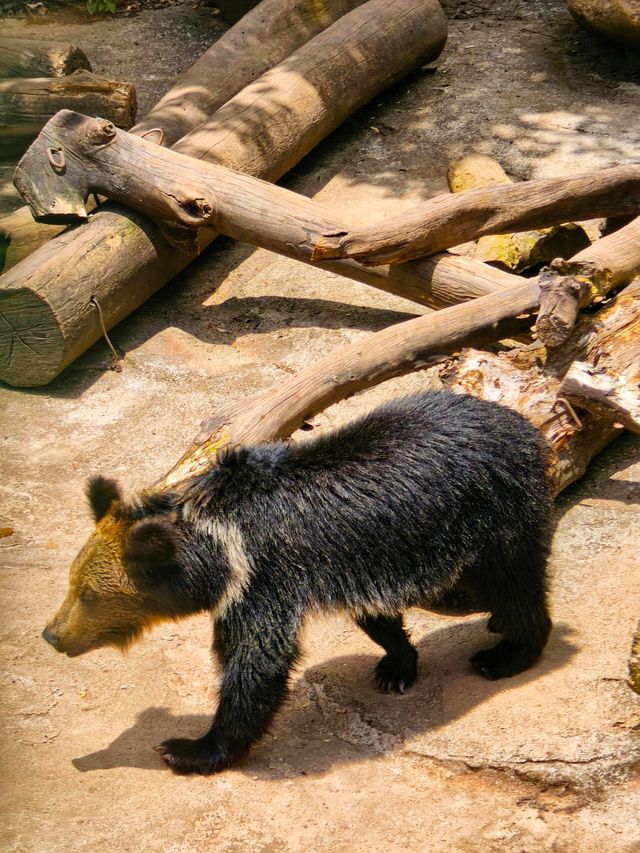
388 512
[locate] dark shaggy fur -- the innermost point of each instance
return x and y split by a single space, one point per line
389 512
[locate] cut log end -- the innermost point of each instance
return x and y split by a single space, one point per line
31 341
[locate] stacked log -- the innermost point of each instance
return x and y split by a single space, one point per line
121 258
264 37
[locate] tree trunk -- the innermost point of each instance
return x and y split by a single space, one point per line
121 258
31 58
264 37
449 220
26 105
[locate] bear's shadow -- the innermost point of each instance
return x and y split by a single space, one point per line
328 702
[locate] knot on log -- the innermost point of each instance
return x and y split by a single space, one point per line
565 287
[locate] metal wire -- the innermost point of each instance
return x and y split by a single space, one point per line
115 364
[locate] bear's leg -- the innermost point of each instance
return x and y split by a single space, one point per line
256 670
397 669
512 587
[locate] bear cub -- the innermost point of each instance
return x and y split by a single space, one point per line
391 511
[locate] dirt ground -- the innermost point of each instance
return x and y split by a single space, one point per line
546 761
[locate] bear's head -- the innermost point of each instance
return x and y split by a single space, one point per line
125 577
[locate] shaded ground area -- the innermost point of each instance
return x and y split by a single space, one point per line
545 761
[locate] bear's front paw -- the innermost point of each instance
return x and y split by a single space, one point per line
396 673
201 755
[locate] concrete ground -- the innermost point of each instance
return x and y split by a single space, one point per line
546 761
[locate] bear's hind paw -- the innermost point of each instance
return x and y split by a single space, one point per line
395 674
184 755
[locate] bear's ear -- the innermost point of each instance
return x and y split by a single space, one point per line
150 550
102 492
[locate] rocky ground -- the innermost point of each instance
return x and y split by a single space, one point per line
547 761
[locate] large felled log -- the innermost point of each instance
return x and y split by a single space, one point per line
405 347
31 58
453 219
266 36
121 258
27 104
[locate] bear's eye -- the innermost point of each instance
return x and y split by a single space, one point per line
88 596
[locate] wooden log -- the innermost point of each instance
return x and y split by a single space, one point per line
565 287
18 238
400 349
449 220
31 58
604 377
519 250
533 381
264 37
121 258
26 105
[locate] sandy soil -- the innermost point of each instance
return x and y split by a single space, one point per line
547 761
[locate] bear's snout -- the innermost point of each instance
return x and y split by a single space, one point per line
51 637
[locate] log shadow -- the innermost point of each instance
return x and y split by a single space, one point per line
306 736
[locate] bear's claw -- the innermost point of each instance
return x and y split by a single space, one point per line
184 755
395 674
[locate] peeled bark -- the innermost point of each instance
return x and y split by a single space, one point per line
122 258
449 220
605 374
533 381
31 58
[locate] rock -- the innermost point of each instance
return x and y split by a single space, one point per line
615 19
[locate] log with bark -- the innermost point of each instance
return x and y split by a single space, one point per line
190 195
31 58
172 189
266 36
400 349
576 422
449 220
121 258
27 104
516 251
